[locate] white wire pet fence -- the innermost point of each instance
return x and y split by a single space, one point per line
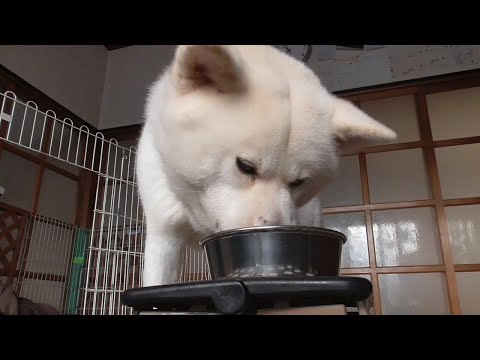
84 271
44 263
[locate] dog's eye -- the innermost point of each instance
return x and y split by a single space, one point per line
296 183
246 167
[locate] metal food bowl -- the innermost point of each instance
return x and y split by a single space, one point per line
274 251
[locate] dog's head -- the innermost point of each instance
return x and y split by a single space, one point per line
249 134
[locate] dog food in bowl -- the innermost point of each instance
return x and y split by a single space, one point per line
269 271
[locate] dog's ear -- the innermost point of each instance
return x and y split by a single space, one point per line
354 129
215 66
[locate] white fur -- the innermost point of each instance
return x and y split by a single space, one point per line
217 103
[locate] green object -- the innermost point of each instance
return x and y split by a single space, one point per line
78 260
76 272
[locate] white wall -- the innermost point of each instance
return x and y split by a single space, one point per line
382 64
72 75
130 72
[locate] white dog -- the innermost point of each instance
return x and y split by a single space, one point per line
236 136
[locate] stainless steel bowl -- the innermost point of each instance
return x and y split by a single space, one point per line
274 251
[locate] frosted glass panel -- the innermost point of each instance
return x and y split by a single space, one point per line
414 294
58 196
365 276
406 237
346 188
459 169
454 114
355 250
17 177
398 113
464 233
469 291
398 176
